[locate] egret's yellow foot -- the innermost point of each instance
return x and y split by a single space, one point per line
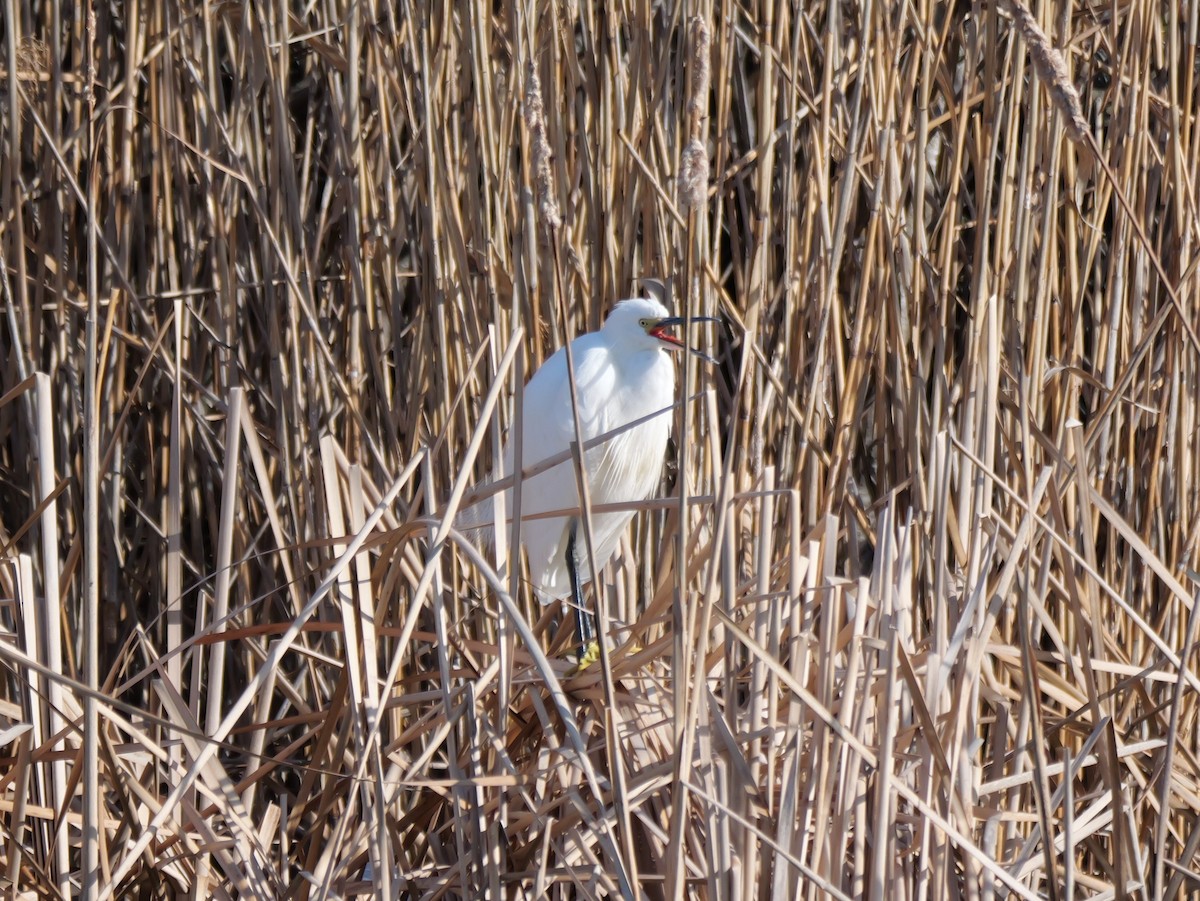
591 653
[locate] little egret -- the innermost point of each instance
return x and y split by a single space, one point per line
622 374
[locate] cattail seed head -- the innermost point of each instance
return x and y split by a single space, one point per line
699 68
535 121
693 175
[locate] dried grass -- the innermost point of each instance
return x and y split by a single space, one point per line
914 614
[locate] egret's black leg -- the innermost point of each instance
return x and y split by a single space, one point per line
585 627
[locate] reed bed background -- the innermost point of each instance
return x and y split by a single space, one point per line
912 616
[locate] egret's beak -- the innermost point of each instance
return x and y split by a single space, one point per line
660 330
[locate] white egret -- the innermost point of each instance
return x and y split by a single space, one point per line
622 374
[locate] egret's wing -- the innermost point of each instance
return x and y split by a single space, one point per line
548 428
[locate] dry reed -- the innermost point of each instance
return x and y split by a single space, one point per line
914 616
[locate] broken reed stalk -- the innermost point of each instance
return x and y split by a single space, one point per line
1051 69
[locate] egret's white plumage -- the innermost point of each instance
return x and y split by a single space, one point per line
622 374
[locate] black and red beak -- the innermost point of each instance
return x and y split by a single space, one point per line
662 331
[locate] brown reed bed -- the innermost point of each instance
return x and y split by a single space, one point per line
912 616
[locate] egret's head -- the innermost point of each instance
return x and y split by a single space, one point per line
643 324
